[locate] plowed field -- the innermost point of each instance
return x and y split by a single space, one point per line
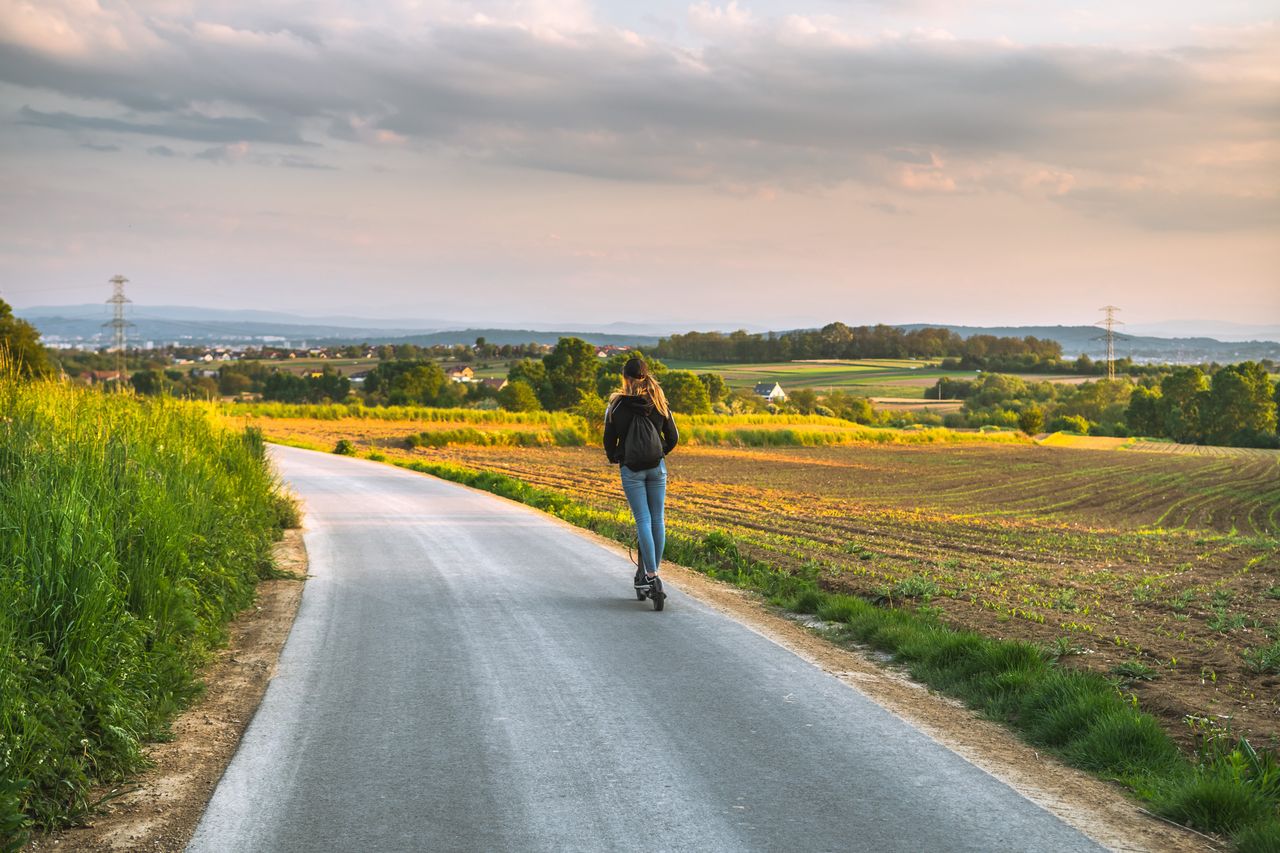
1164 565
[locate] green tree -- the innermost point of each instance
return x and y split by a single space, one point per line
20 344
591 409
232 384
571 371
686 393
1239 408
1031 420
1181 395
201 388
744 402
421 383
519 396
329 385
530 372
803 400
1144 417
285 387
995 388
1071 423
716 387
150 382
451 395
849 407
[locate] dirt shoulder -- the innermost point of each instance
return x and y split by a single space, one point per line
162 806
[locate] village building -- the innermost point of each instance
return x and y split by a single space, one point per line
496 384
770 392
461 374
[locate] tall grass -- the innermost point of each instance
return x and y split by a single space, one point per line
130 532
564 429
427 414
572 435
730 435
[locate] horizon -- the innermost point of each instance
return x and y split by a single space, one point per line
523 162
1224 332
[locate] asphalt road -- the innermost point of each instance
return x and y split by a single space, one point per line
466 674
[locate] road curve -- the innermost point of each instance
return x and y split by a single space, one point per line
467 674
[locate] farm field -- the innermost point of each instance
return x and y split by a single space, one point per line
903 379
874 377
1162 568
345 366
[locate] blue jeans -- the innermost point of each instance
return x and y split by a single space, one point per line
646 492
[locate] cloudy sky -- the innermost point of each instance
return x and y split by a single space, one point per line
529 161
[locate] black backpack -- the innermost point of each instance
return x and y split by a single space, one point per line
644 445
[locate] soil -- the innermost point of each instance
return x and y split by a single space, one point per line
159 810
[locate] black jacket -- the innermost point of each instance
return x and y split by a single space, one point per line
617 423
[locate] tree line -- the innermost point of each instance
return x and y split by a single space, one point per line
1235 406
1232 405
836 340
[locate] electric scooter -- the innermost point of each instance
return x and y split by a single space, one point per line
651 590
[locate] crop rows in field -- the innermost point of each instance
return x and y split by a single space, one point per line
1115 490
1184 602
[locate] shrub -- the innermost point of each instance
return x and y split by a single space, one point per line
1262 837
1214 803
1124 743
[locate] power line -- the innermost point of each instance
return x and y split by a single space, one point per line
1109 322
119 326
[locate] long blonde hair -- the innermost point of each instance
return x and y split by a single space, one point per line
643 386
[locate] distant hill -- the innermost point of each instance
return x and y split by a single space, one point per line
1090 340
521 336
81 325
85 321
1216 329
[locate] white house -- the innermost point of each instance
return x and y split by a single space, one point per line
771 392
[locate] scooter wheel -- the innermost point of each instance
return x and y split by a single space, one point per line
657 594
639 595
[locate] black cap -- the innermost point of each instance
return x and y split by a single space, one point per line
635 368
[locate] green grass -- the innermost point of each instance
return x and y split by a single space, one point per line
1080 716
731 435
873 377
130 532
335 411
570 435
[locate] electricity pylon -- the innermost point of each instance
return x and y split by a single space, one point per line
119 326
1109 323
